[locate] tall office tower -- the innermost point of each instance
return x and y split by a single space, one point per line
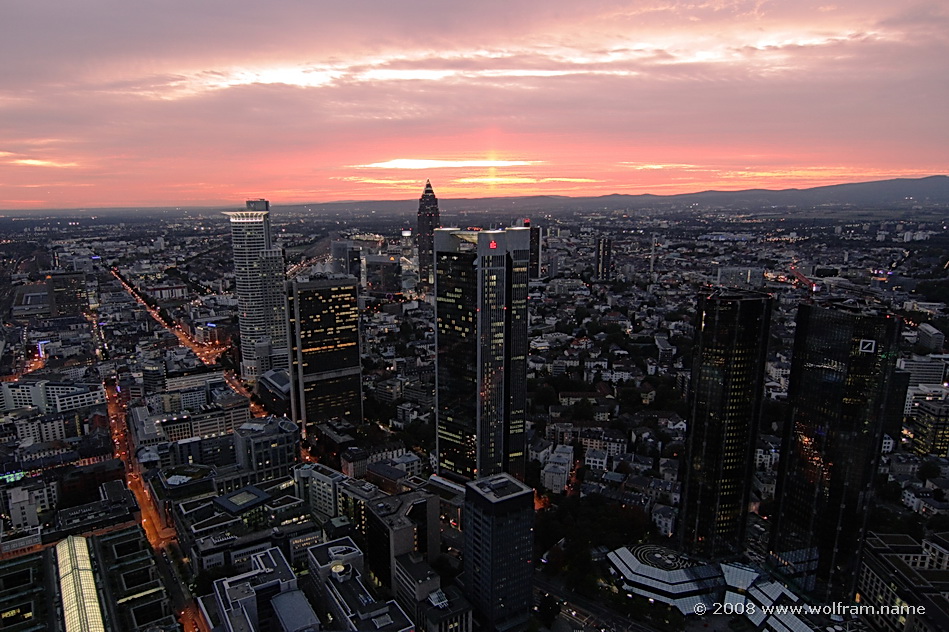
325 362
841 373
497 523
260 278
383 275
481 351
347 258
67 293
726 389
603 267
536 247
428 221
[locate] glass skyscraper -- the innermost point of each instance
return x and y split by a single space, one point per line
840 385
726 389
481 346
260 277
325 361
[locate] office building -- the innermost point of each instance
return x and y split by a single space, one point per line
347 258
481 351
431 606
267 447
840 384
383 275
259 276
536 247
603 266
931 431
325 363
67 293
903 583
266 597
336 570
400 524
428 221
498 522
930 338
725 394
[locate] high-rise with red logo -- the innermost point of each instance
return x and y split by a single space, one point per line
481 343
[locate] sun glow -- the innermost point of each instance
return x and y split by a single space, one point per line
413 163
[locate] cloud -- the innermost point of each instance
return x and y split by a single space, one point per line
415 163
517 180
33 162
206 101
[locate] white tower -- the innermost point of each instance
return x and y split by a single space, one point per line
260 278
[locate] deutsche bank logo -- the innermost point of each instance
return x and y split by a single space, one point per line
868 346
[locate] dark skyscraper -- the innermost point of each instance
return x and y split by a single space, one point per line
536 250
726 389
840 383
537 245
347 258
325 363
481 345
428 221
603 268
498 521
67 293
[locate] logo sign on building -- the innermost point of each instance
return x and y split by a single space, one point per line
868 346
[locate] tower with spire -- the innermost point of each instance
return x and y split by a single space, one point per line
428 221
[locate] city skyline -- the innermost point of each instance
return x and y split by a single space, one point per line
159 107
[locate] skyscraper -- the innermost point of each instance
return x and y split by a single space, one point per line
260 278
481 345
841 372
67 293
347 258
603 267
428 221
536 247
498 522
726 389
325 362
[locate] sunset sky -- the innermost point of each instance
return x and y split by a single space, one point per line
210 102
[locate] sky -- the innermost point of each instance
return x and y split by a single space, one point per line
185 103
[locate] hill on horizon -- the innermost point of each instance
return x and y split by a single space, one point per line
893 193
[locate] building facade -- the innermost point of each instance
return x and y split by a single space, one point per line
725 394
481 351
498 522
428 221
841 373
325 363
260 279
603 266
931 433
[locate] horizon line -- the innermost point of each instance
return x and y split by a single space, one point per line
224 205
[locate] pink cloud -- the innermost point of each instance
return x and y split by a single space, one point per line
200 102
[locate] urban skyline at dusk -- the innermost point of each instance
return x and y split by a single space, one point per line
105 104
